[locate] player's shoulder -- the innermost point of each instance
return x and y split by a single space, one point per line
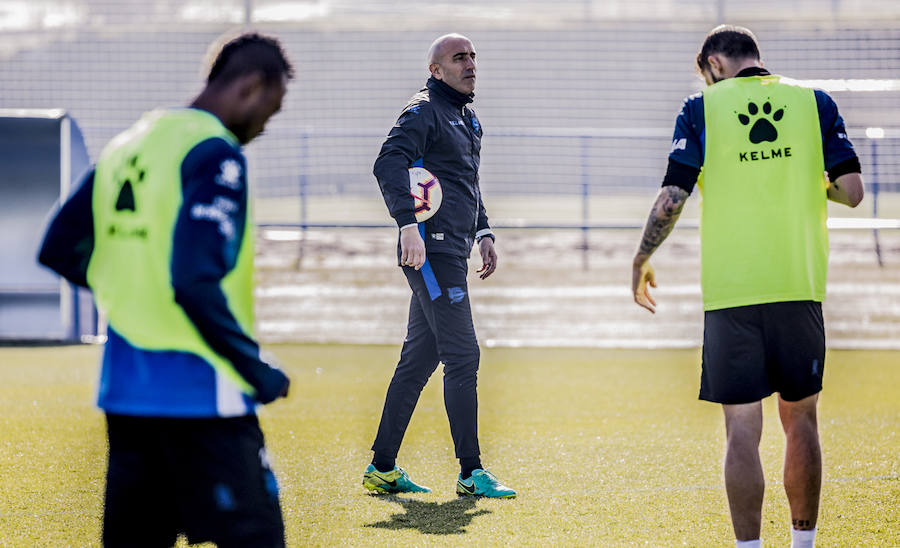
216 158
212 150
692 103
824 102
691 116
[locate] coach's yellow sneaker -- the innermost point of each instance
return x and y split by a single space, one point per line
483 484
395 481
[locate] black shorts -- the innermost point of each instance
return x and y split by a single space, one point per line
749 352
206 478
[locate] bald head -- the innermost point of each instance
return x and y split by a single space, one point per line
441 44
451 59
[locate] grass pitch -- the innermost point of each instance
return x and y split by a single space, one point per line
605 448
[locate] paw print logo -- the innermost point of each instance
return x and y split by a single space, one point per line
129 175
762 130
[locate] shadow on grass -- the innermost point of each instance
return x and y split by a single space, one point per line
432 518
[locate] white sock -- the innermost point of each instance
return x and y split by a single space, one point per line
803 539
748 543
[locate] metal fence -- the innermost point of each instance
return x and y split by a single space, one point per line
596 83
541 161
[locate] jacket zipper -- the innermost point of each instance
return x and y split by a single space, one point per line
477 189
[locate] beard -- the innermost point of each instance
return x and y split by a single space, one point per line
710 77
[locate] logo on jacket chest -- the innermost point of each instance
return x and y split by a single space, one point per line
476 126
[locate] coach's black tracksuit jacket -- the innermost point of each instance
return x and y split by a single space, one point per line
438 131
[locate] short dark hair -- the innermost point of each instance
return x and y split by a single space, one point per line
729 40
246 53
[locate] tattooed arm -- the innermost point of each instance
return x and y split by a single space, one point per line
668 206
663 214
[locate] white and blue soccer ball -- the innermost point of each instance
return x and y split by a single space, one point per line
426 191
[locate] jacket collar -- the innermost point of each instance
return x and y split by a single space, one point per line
752 71
456 98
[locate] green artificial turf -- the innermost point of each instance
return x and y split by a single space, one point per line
605 448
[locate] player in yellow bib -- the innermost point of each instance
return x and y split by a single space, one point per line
161 232
758 147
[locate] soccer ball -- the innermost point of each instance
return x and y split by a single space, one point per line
426 191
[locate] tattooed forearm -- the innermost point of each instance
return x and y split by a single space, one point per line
668 206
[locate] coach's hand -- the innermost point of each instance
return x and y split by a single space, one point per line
488 257
641 275
412 248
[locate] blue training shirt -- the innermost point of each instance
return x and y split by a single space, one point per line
205 250
689 138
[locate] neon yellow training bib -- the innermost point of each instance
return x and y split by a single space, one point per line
129 270
762 227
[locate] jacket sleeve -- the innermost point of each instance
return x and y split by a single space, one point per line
69 240
406 143
207 239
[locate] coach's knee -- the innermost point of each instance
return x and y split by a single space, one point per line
413 378
454 353
462 364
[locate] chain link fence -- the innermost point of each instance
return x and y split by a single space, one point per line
570 92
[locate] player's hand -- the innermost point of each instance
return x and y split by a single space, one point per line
287 386
642 275
271 383
412 247
488 257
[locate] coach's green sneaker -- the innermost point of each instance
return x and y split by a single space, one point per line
483 484
395 481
